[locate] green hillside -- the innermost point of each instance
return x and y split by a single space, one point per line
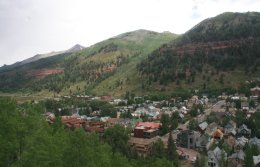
97 69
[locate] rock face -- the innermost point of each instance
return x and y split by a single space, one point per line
40 73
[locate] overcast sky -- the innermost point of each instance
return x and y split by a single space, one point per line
29 27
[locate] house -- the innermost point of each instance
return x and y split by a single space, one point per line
95 126
256 159
254 98
230 141
211 128
236 159
187 139
204 142
218 134
146 129
215 156
245 105
258 108
110 122
255 91
50 117
241 142
184 110
139 111
129 123
202 127
244 131
142 146
230 128
72 121
255 141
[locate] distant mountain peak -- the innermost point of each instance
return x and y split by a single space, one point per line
75 48
37 57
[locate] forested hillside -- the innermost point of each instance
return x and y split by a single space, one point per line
218 52
226 26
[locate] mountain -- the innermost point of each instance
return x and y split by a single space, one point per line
96 69
219 52
226 26
38 57
75 48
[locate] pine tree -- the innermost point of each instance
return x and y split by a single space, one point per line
165 120
171 151
249 157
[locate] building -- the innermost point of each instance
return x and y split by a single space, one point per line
255 141
141 145
218 134
241 142
230 128
230 141
215 156
95 126
244 131
146 129
204 142
50 117
211 128
110 122
255 91
202 127
187 139
236 159
72 121
256 159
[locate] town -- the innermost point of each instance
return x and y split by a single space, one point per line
216 130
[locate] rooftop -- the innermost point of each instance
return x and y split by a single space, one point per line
152 125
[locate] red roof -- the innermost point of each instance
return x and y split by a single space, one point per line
152 125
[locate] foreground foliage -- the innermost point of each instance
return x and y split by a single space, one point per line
27 140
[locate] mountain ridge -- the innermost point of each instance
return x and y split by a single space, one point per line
37 57
90 65
144 61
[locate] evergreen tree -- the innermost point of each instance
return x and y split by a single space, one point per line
255 150
200 161
171 151
158 150
223 161
249 157
117 138
165 120
174 120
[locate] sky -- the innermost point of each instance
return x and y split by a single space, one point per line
30 27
